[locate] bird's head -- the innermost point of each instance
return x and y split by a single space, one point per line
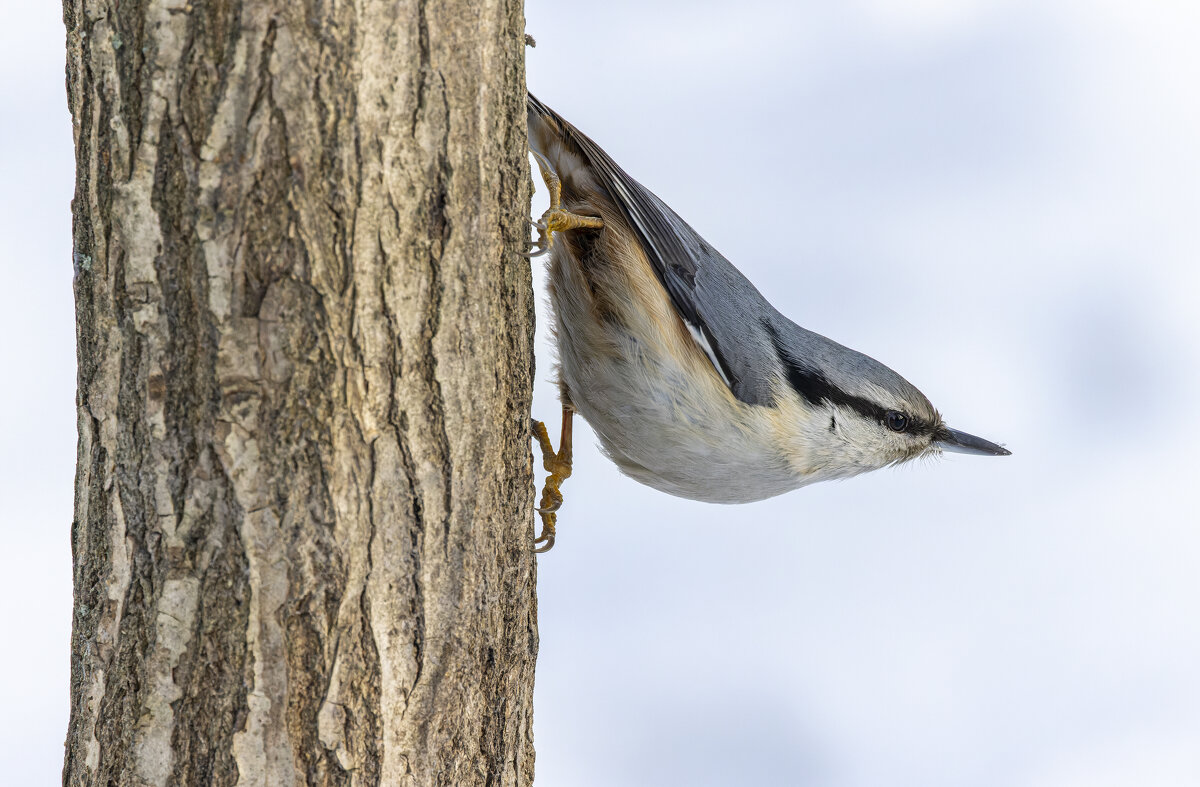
845 413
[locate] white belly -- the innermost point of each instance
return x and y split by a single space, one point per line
659 408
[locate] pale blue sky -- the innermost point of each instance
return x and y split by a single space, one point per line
1000 200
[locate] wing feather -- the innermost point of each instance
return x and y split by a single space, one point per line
680 258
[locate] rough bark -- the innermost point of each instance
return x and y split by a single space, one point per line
303 513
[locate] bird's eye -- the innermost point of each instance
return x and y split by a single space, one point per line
897 422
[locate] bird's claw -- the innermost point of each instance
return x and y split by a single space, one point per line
558 464
546 539
558 220
552 500
555 219
545 239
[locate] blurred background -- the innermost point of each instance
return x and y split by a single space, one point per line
1001 200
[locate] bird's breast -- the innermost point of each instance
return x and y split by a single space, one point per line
629 366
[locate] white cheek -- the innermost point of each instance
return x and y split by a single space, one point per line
861 443
847 447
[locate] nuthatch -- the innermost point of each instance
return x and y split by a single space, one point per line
693 382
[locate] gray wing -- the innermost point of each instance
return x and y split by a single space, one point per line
729 317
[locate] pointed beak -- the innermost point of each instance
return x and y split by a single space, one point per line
958 442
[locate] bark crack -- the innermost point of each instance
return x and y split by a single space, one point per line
300 544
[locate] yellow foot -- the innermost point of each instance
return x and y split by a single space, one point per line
558 464
555 219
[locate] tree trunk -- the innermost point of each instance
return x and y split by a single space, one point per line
303 512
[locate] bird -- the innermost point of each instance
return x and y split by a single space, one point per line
693 382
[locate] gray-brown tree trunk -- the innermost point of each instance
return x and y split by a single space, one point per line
303 514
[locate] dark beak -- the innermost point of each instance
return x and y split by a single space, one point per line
958 442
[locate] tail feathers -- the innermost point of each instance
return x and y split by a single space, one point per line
536 107
557 142
545 125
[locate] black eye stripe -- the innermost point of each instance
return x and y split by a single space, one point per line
816 388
